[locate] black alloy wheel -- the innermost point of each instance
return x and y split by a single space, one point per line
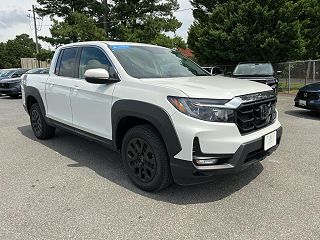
141 159
36 122
145 158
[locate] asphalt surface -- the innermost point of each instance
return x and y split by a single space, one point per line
72 188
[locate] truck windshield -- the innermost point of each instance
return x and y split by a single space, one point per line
155 62
254 69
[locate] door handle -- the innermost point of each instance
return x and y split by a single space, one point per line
75 89
51 84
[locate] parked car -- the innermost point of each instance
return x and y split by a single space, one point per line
261 72
308 97
213 70
169 118
12 86
38 71
12 73
6 73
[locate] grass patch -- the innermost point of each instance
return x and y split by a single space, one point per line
295 86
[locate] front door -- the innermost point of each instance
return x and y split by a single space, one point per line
91 103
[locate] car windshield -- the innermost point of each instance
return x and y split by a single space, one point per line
254 69
6 73
155 62
34 71
38 71
45 71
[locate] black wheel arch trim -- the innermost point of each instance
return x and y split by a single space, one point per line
157 116
34 92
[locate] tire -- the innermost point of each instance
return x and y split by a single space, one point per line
39 126
145 158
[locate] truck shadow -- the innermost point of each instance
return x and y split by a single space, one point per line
108 164
304 114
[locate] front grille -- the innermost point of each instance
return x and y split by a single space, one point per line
8 85
253 116
4 85
308 95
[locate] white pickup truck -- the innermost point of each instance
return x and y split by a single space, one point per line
169 118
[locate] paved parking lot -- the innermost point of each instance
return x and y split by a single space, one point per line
71 188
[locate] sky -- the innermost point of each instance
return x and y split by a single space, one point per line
14 20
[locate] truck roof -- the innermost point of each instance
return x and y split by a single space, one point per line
254 62
110 43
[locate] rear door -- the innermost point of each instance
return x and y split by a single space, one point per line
59 84
91 103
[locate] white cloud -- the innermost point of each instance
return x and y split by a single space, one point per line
185 16
10 18
14 20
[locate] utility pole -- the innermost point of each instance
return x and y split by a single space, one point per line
106 17
35 29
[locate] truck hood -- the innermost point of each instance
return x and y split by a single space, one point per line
257 78
214 87
10 80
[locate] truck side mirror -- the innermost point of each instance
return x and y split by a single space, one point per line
98 76
278 72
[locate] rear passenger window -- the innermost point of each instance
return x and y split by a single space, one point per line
91 58
68 62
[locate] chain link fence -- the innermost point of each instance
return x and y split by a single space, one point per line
297 74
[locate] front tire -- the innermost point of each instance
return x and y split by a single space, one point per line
145 158
39 126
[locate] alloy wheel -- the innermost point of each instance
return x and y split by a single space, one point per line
141 160
36 122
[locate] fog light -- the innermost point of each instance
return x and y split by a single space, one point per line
205 161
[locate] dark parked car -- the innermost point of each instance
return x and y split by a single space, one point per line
10 82
12 87
7 73
262 72
308 97
38 71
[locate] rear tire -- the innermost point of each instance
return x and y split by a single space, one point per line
39 126
145 158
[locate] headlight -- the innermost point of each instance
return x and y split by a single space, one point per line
203 109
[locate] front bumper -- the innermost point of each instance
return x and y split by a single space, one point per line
187 173
10 91
313 105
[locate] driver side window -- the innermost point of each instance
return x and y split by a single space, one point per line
92 58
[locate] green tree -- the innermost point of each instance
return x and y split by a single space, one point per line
4 56
76 27
136 20
63 8
144 20
237 30
21 47
45 55
308 12
163 40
